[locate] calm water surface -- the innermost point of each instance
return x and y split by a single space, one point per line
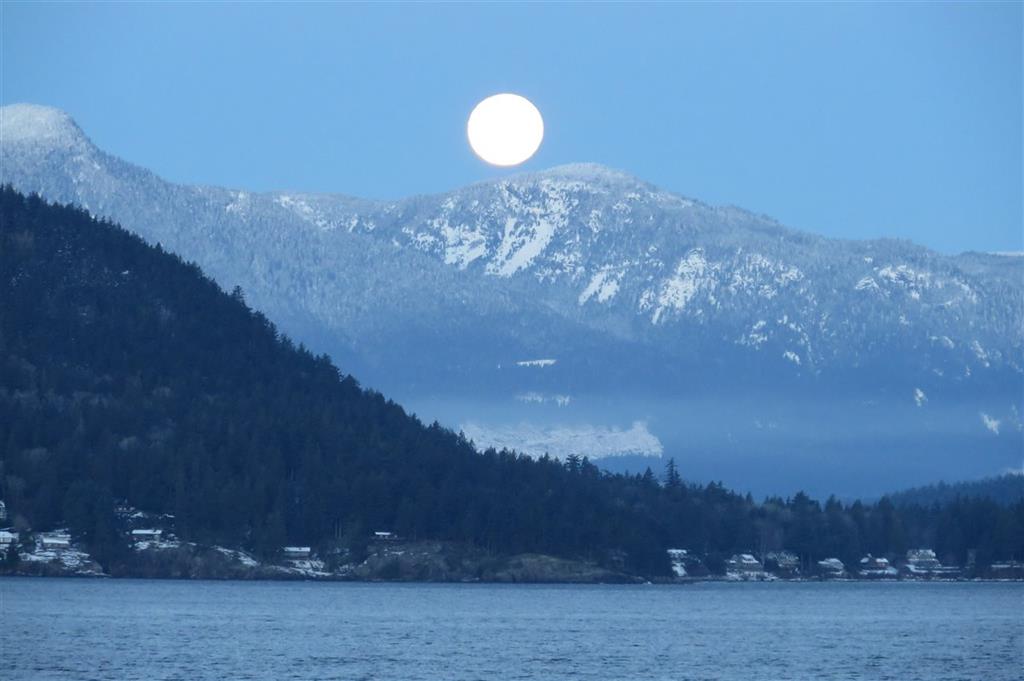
128 629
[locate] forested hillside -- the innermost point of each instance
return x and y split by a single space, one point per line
127 375
1004 489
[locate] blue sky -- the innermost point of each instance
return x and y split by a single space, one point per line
853 120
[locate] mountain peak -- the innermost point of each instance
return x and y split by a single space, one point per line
37 123
591 173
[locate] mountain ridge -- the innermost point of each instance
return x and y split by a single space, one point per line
437 299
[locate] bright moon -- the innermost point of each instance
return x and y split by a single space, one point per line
505 129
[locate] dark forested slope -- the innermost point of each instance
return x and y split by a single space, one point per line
126 374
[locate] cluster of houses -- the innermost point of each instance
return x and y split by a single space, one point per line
58 540
918 564
7 535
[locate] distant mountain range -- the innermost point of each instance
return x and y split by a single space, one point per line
580 307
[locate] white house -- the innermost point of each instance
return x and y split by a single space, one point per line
678 558
787 563
383 536
923 563
8 538
296 552
743 563
3 511
876 568
146 535
831 567
56 540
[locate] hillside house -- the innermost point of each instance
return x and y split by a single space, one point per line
146 535
297 552
55 541
384 536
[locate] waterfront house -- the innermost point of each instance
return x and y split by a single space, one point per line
923 563
783 563
876 568
1007 569
7 538
678 557
743 564
831 567
922 559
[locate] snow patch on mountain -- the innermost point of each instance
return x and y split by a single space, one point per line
531 225
604 284
303 209
463 244
692 273
540 363
991 423
757 336
865 284
980 353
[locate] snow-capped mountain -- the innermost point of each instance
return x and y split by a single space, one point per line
581 300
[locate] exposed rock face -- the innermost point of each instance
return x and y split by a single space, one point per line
392 561
532 567
448 562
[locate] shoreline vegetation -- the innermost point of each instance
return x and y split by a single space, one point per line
149 421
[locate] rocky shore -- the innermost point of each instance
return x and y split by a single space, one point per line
408 561
388 561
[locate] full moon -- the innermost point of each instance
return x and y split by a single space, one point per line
505 129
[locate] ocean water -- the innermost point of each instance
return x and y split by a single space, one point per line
139 629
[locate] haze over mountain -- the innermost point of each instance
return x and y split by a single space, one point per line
580 308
